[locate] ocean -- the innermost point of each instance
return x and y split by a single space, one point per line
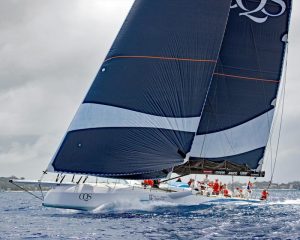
23 217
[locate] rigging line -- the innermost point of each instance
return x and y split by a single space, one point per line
272 130
40 180
85 179
228 98
281 115
214 112
281 96
62 179
41 190
163 58
263 88
226 137
227 87
25 190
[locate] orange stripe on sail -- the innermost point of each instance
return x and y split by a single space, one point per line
247 78
164 58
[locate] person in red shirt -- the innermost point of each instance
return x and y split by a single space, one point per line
221 187
191 183
264 195
225 191
216 187
148 182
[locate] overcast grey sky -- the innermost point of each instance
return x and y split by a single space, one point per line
51 50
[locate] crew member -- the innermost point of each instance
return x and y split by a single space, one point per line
264 195
221 187
216 187
237 192
206 180
249 187
148 182
225 191
191 183
145 183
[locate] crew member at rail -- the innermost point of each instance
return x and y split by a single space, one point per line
216 187
148 182
249 187
237 192
264 195
191 183
226 191
206 180
221 187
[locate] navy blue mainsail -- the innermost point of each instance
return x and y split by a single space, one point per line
238 113
142 111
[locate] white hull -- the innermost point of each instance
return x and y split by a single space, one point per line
89 197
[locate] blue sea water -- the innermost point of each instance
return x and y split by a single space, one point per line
23 217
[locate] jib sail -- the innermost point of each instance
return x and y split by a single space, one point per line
235 126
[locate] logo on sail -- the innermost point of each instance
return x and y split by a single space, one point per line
261 8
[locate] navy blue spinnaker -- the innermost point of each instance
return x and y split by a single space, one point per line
141 113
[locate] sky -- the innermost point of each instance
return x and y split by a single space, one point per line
50 52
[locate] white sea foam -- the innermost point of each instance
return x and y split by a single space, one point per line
287 202
120 206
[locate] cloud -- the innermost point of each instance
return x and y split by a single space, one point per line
50 52
27 158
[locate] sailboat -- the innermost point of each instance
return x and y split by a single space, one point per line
186 88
